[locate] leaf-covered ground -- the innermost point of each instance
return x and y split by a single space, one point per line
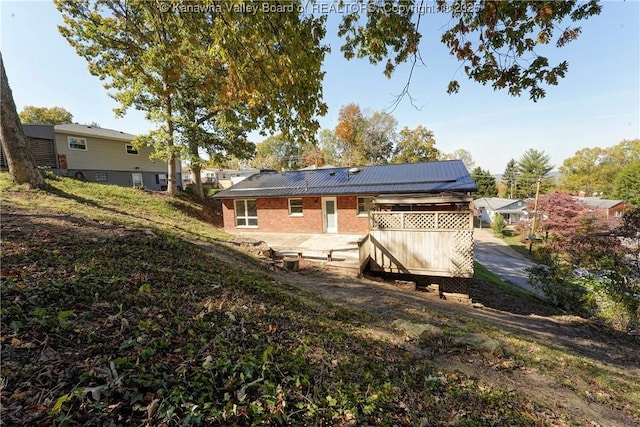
113 324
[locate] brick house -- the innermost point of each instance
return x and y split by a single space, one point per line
605 208
333 200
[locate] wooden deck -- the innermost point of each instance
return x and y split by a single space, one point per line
438 244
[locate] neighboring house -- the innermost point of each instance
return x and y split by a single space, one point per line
605 208
511 209
334 200
96 154
218 178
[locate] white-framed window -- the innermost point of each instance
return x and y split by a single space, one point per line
365 204
77 143
246 213
130 149
209 177
295 207
617 214
162 178
100 177
136 180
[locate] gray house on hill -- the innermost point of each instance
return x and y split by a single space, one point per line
96 154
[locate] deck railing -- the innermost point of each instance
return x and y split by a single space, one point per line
420 220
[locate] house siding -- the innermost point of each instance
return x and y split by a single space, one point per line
273 216
109 154
108 157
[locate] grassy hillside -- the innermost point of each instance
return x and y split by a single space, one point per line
112 315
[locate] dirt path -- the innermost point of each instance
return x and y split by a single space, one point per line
537 323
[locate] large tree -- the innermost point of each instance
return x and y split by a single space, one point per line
379 138
278 152
44 115
533 168
238 71
594 170
627 184
415 145
22 166
351 131
498 42
333 149
270 63
367 139
510 177
485 182
461 154
584 172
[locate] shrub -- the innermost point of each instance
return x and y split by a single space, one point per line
498 224
594 271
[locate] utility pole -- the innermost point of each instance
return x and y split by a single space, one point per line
535 215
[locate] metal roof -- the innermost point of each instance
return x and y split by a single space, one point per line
414 199
598 203
432 177
500 204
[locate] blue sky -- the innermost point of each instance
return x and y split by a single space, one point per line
597 104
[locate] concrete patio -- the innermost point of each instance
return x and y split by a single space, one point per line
314 247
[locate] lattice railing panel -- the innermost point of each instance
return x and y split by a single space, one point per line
387 221
453 221
462 254
420 220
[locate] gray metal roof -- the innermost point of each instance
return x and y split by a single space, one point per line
85 130
432 177
598 203
500 205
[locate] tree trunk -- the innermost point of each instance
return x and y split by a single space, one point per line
21 164
197 180
196 168
172 187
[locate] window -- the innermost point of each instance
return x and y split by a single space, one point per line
77 143
100 176
136 180
295 207
246 213
209 177
364 205
130 149
161 179
617 214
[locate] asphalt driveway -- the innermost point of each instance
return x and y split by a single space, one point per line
500 259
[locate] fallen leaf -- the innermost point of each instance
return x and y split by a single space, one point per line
152 407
